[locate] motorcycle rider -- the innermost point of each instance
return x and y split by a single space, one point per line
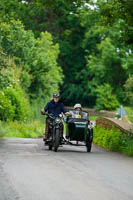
54 107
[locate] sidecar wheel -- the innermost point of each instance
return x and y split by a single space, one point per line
50 146
88 146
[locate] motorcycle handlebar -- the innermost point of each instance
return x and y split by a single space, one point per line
51 116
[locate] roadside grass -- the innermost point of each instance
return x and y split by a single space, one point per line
114 140
2 130
129 111
32 129
93 118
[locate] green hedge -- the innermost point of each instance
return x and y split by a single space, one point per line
7 111
114 140
20 103
14 105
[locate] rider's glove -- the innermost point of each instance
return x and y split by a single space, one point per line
43 112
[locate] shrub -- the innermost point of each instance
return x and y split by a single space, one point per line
19 102
105 98
114 140
14 105
7 110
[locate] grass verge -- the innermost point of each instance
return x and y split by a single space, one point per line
32 129
93 118
129 112
114 140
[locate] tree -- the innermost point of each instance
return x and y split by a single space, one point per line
14 103
37 58
95 44
60 18
109 61
129 90
113 10
105 99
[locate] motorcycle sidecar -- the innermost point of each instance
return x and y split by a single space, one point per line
79 128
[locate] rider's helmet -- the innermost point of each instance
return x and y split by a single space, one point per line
56 95
77 105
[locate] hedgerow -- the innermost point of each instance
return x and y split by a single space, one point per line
114 140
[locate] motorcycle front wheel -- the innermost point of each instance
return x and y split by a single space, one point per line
57 140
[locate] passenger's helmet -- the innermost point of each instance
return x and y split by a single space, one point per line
78 105
56 95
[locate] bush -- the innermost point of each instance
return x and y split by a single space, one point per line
113 140
14 105
19 103
105 99
7 110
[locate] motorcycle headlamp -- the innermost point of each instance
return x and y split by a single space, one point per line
57 119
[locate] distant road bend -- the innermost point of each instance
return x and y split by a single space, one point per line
29 171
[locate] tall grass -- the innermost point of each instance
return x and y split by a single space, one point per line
32 129
2 130
36 108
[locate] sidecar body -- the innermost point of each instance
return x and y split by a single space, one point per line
78 128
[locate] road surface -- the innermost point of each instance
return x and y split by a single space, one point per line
29 171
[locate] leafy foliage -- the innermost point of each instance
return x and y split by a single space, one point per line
92 41
59 18
14 105
7 111
113 10
19 103
35 57
113 140
129 89
105 99
95 42
111 64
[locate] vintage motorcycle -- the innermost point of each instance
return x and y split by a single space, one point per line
55 131
77 129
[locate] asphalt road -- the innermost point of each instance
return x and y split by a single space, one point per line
29 171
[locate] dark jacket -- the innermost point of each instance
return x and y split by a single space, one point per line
55 108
